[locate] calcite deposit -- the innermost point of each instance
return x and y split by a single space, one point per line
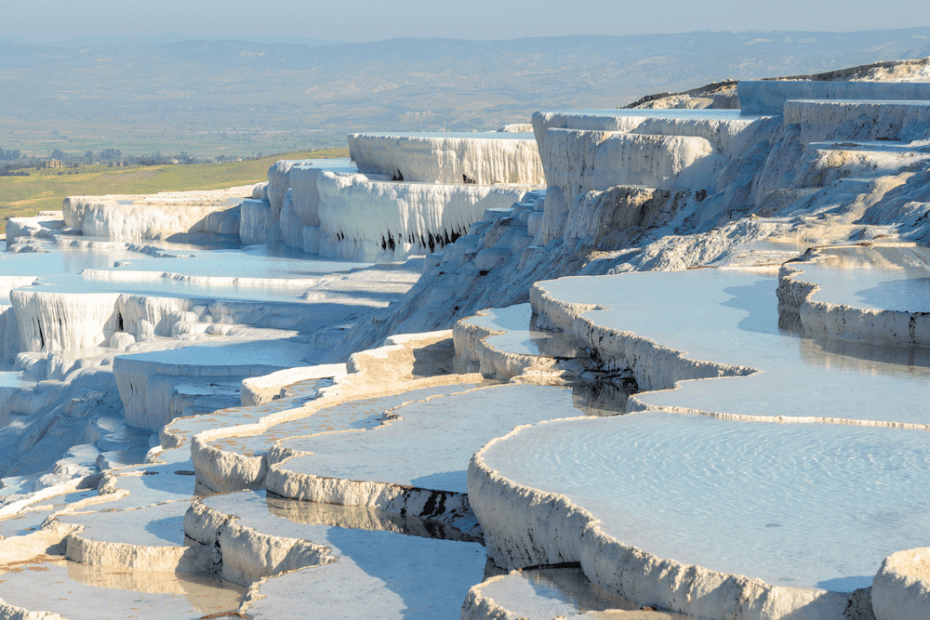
667 361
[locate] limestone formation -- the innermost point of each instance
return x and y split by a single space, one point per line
666 361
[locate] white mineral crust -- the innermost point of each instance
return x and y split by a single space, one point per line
158 216
484 159
901 590
57 321
769 97
579 161
258 223
383 220
627 190
860 120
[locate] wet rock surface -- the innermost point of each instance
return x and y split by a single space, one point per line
711 442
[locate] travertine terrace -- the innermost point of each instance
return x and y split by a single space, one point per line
663 362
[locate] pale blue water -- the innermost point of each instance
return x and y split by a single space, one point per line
430 446
59 271
549 593
872 278
14 380
803 505
256 261
352 415
799 504
341 164
67 260
279 352
167 287
731 317
521 336
377 574
155 526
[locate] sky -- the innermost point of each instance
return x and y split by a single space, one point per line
372 20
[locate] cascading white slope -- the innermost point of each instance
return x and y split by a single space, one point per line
481 158
857 188
627 190
133 218
385 221
400 195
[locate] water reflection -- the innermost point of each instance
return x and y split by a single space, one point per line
572 586
207 594
601 398
361 518
881 278
852 355
523 334
545 593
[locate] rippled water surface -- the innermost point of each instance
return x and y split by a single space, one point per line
731 317
785 497
804 505
432 442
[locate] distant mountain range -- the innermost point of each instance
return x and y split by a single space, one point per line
292 83
100 40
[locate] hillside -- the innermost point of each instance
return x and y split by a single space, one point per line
239 97
45 189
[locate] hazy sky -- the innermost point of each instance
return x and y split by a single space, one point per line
369 20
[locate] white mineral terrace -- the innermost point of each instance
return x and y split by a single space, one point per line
327 207
550 593
358 572
890 120
763 413
769 97
720 126
767 370
663 364
877 278
608 159
425 444
482 158
354 415
877 294
506 342
153 392
383 221
130 218
590 154
816 486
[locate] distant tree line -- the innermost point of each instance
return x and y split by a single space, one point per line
15 162
12 160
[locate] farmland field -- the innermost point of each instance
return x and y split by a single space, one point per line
43 190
